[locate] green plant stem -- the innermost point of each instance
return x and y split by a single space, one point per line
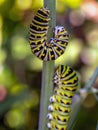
92 79
77 107
47 73
97 126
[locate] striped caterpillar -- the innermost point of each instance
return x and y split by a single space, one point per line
40 47
66 80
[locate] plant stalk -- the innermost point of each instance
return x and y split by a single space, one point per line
47 72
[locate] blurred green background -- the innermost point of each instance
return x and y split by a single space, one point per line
20 70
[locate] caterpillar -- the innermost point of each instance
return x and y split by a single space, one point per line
67 82
40 46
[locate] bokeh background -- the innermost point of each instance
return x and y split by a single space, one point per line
20 70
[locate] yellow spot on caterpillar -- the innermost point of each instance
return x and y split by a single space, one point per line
50 50
64 82
43 45
61 93
56 108
43 54
52 55
58 100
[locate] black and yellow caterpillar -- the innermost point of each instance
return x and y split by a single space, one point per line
67 82
43 49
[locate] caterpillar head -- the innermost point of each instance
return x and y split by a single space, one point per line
57 30
61 33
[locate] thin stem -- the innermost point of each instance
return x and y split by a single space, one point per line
82 98
97 126
47 73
